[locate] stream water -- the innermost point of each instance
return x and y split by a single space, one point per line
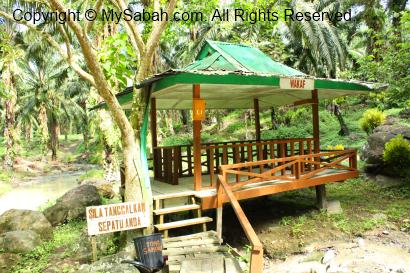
38 191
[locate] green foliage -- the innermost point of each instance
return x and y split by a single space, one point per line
371 119
66 236
93 173
397 155
118 59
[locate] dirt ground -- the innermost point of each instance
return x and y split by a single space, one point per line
298 238
376 252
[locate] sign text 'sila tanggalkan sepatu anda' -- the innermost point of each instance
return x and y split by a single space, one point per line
116 217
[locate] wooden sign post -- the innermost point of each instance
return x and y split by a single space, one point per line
297 83
115 217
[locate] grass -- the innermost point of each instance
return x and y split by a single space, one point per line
66 237
92 174
5 182
365 205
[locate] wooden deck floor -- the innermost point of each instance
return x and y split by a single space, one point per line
186 184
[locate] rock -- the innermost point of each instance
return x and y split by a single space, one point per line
373 149
105 245
8 260
72 204
388 182
379 216
109 264
333 207
20 219
106 189
329 255
360 242
386 232
20 241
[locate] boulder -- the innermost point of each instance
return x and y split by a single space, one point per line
374 148
388 182
21 219
20 241
7 261
110 264
72 204
333 207
106 189
105 245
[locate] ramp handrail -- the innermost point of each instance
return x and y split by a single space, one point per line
256 261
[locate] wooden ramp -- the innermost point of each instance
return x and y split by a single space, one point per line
199 253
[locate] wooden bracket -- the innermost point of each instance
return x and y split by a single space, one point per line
302 102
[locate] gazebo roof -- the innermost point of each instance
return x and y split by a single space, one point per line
232 75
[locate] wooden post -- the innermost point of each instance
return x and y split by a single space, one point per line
94 248
153 118
320 189
315 117
257 119
196 94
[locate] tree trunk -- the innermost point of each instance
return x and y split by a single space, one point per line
85 125
184 114
344 131
42 118
9 124
273 119
53 136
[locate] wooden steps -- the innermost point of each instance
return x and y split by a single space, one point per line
177 209
183 223
200 253
189 203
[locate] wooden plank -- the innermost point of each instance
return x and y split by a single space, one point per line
211 201
173 195
193 242
176 209
210 249
207 234
183 223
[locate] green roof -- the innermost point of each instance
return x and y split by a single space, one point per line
232 75
236 57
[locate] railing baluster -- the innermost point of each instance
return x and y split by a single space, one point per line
189 158
224 155
211 167
249 149
292 153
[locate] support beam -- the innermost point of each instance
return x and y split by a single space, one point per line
153 127
303 102
196 94
315 118
257 119
320 189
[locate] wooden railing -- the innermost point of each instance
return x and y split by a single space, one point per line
297 168
173 162
293 169
256 259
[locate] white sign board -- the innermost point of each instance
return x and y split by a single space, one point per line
297 83
116 217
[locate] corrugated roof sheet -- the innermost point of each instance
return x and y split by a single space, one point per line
236 57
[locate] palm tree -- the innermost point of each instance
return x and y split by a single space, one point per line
317 44
45 76
9 56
